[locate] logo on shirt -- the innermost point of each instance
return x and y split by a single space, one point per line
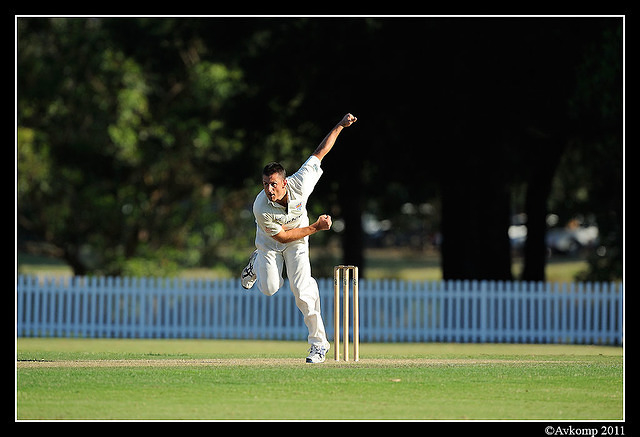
297 206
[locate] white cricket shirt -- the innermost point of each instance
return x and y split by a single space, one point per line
271 217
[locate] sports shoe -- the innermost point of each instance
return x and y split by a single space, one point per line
316 354
248 277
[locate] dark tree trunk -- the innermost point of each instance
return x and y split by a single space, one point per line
475 221
544 163
350 201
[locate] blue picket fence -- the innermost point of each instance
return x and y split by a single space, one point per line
390 311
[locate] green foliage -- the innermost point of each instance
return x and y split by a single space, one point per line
111 169
140 141
35 164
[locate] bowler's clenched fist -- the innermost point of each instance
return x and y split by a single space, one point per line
324 222
348 120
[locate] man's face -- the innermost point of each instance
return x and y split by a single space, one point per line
275 186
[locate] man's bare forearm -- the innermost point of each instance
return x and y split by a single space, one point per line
295 234
322 224
327 143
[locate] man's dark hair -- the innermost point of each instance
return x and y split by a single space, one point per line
274 167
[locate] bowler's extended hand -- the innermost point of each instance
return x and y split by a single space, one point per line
348 120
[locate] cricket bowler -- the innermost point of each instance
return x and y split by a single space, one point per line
282 238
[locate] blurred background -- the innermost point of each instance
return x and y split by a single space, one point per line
485 148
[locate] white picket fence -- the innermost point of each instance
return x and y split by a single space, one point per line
390 311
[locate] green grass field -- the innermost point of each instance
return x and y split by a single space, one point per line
137 379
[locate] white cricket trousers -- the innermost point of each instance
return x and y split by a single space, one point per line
295 255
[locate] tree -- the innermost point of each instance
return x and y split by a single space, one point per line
120 143
515 81
141 140
578 102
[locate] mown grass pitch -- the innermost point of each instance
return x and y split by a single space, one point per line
135 379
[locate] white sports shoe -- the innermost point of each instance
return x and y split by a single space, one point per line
248 277
316 354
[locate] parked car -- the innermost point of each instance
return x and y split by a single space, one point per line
571 239
559 239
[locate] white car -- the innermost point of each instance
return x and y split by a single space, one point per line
570 240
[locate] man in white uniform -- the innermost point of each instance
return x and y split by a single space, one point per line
282 237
